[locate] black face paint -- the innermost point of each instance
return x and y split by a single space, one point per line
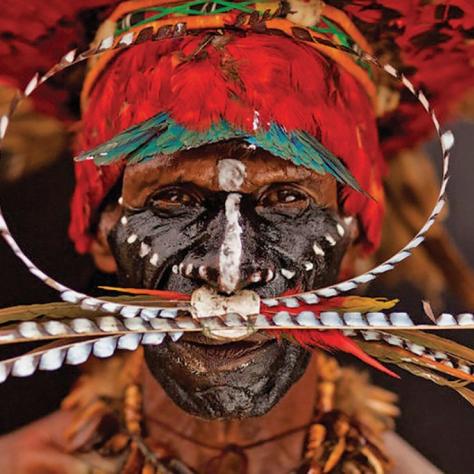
175 243
250 389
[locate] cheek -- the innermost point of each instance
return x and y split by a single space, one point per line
315 242
146 246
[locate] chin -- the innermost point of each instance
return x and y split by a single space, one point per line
215 380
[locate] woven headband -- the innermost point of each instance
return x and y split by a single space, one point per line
143 20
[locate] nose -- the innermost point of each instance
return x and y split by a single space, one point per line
224 277
225 261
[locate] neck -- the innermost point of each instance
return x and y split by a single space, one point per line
197 441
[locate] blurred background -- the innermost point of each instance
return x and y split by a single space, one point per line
437 421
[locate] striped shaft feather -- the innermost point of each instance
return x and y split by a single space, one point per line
456 362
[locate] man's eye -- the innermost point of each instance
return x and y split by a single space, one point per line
172 199
284 197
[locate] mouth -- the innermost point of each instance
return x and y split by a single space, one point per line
201 354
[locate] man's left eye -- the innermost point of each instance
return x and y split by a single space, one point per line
284 196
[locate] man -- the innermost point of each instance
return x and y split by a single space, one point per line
208 182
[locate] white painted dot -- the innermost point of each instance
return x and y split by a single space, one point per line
144 250
270 275
318 250
174 269
288 274
255 277
189 269
340 230
154 259
308 266
124 220
132 238
330 240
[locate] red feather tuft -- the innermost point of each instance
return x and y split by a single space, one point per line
334 340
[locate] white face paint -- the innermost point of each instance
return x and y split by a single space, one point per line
144 250
154 259
318 250
340 230
132 238
330 240
231 175
231 248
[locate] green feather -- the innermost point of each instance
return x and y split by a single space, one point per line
162 135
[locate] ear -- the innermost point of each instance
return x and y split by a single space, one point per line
100 248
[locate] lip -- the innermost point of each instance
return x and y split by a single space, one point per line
202 354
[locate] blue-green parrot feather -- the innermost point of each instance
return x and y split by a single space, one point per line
162 135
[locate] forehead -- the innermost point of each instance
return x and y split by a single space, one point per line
223 167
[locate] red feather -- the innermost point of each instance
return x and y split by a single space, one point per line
334 340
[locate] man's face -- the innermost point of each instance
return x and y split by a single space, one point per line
230 218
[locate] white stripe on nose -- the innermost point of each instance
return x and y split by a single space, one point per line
231 249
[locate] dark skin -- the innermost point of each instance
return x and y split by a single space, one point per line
290 237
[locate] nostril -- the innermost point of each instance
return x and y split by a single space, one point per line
210 275
260 276
197 271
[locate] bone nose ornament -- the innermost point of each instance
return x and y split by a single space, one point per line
206 302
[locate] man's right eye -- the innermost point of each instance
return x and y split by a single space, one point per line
172 200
